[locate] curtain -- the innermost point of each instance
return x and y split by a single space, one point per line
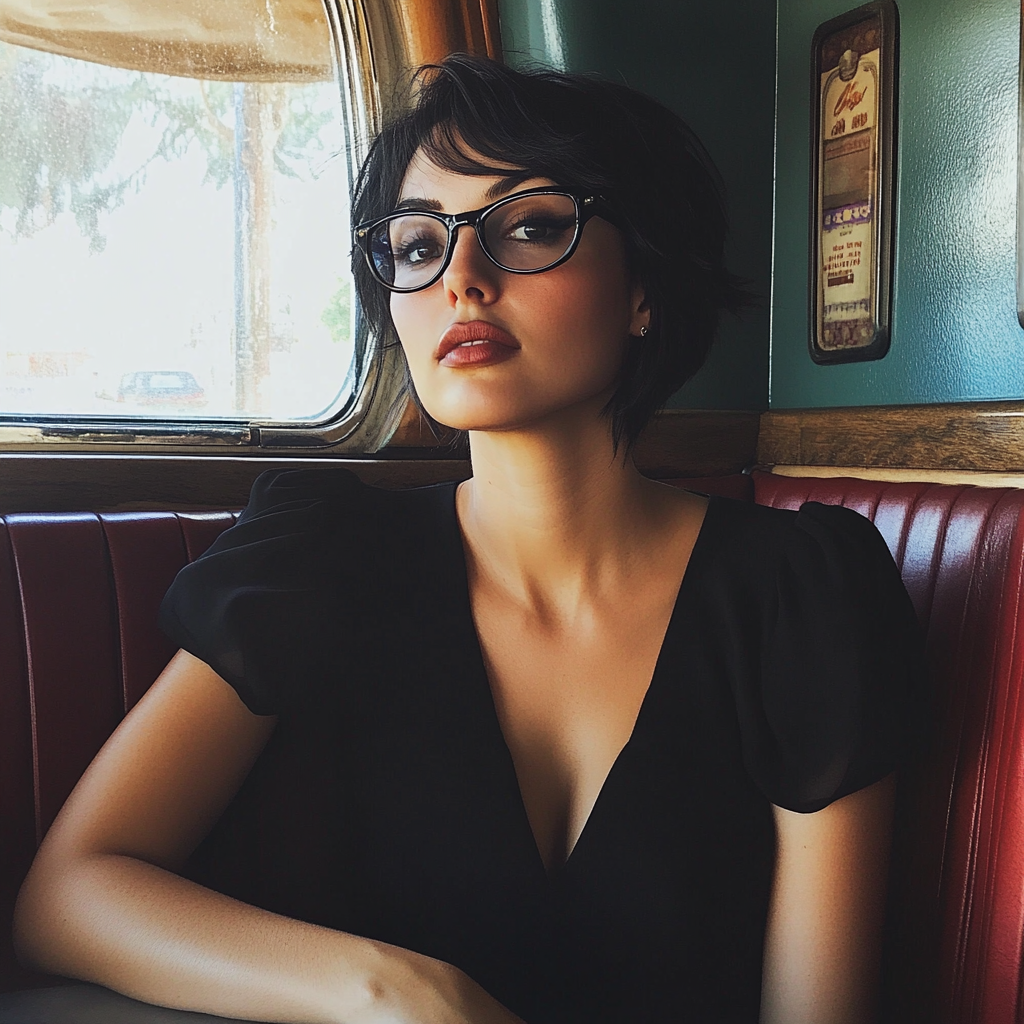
239 40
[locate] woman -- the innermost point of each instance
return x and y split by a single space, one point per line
561 744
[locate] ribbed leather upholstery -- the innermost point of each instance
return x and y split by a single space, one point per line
79 645
958 882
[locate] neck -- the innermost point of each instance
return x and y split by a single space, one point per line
552 509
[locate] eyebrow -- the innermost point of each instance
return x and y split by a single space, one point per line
500 188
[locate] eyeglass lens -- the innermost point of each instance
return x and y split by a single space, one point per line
525 234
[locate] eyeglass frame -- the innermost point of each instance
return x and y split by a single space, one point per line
587 206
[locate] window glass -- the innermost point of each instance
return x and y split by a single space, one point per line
170 246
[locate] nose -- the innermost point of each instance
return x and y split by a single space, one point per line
470 276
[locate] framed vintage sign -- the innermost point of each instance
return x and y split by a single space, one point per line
853 83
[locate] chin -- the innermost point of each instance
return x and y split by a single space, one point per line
506 409
460 421
509 421
476 411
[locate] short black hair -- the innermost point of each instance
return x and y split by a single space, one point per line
594 135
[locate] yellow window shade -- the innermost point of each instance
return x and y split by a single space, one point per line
236 40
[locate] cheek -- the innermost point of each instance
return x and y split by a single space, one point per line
419 321
402 315
590 317
414 325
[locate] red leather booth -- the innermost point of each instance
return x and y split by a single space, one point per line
79 645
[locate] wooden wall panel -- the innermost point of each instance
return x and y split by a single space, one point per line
978 436
953 441
678 444
698 442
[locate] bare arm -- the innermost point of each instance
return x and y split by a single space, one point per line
102 902
824 936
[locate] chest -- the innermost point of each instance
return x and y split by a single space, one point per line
567 695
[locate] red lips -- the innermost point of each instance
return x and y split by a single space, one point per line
475 343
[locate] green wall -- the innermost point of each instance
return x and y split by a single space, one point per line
955 335
714 63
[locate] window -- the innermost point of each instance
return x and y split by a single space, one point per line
174 224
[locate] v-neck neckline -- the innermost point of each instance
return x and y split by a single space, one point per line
462 578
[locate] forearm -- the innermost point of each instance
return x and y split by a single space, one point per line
157 937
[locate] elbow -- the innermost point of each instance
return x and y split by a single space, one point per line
48 917
30 925
38 919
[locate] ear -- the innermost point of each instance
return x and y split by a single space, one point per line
640 311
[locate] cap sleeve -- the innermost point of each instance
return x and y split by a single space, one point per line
839 667
244 605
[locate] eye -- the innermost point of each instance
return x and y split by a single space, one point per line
416 251
537 228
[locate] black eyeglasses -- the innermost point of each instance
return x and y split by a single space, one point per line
525 233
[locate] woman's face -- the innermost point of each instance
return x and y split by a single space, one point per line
527 346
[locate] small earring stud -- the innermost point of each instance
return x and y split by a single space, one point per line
643 331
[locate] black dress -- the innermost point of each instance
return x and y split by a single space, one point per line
386 803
